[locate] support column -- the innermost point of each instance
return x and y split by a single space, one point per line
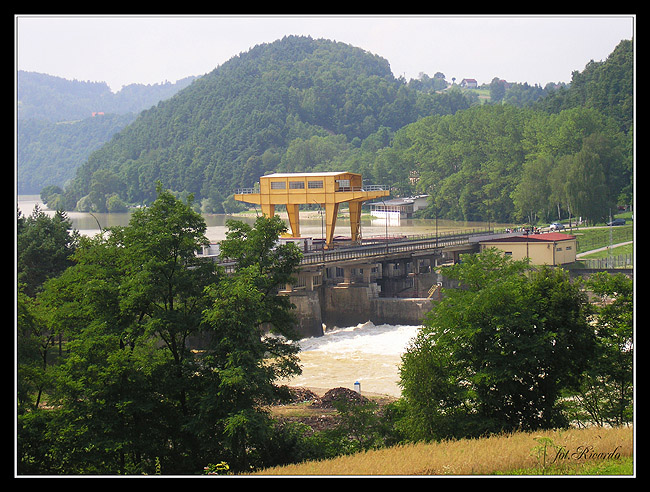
331 211
294 219
367 270
347 275
355 220
268 209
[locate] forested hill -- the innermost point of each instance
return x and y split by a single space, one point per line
48 98
250 115
300 104
57 131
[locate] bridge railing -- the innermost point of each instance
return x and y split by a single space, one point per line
400 245
387 248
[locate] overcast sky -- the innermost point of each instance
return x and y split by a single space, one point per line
122 50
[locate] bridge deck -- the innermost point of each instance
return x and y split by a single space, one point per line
392 249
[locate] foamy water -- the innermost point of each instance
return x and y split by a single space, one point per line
365 353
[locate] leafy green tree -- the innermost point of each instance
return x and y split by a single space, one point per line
34 343
606 393
242 360
497 90
587 186
168 362
44 245
494 354
531 195
128 308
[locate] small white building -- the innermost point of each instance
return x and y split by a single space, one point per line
210 250
398 208
469 83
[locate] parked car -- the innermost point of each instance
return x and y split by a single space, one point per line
555 226
616 222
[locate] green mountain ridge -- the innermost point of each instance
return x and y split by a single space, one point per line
239 120
61 122
299 104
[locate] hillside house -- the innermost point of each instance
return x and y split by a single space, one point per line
469 83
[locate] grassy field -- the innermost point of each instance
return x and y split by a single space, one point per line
590 451
598 237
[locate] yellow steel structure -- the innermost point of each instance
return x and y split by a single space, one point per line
325 189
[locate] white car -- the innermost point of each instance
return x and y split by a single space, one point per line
555 226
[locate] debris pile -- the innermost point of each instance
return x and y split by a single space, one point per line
340 394
301 395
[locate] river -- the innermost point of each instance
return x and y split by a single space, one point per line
311 224
367 354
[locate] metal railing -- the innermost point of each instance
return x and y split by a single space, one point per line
250 191
617 261
246 191
374 250
403 245
364 188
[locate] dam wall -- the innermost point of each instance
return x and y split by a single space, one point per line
350 305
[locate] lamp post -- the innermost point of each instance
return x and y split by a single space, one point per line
386 222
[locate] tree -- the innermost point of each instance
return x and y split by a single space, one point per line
606 393
44 245
494 354
243 361
587 186
168 362
127 309
497 90
531 195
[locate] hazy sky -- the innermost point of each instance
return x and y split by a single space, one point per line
122 50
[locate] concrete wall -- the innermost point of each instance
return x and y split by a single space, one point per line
353 304
404 311
308 312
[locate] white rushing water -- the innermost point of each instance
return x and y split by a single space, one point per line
365 353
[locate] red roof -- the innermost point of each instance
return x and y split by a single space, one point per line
546 237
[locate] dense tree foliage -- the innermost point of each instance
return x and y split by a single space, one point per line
496 354
255 104
166 362
54 99
483 163
44 246
605 86
50 153
606 395
299 104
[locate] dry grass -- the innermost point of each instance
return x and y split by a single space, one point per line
486 456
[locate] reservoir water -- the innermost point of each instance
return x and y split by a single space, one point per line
367 354
311 223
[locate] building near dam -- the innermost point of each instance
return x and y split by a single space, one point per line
398 208
553 248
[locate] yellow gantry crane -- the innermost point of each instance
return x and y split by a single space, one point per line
325 189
